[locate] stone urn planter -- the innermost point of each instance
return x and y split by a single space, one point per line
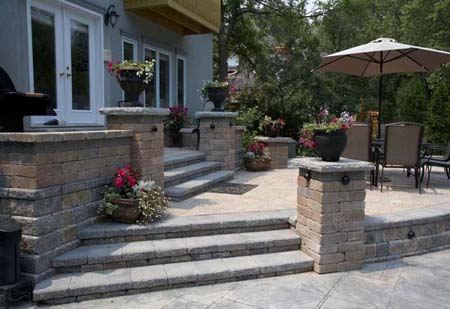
330 145
217 96
132 85
257 164
126 212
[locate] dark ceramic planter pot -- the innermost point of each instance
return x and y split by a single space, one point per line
330 145
272 131
217 95
132 85
126 212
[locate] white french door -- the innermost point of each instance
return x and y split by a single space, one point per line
66 60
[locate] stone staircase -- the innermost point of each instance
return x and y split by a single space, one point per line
187 173
117 259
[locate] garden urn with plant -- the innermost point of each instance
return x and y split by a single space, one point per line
132 199
175 122
272 128
257 158
133 78
327 136
215 92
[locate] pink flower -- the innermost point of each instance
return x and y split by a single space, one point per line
343 126
118 182
131 180
334 120
121 172
261 146
323 112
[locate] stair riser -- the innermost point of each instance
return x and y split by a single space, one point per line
176 259
183 234
189 176
198 191
197 282
171 166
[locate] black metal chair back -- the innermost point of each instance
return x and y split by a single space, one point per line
6 84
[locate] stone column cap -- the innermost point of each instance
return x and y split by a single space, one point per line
343 165
134 111
216 115
279 139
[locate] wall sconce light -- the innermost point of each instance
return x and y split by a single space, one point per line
111 16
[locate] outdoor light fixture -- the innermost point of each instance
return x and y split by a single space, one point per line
111 16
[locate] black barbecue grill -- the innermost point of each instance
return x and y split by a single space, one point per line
15 105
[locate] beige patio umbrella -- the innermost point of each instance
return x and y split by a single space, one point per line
383 56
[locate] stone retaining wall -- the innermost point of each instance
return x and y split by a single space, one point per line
239 150
50 183
388 236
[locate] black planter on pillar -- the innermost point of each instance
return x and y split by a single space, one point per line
133 86
330 145
217 96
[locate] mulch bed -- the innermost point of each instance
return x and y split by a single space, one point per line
232 188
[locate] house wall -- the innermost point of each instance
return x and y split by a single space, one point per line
196 48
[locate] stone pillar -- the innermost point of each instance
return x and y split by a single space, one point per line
330 212
147 147
217 137
278 148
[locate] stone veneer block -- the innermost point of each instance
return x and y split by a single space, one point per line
278 148
217 137
147 147
330 214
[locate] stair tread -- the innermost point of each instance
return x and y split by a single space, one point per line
141 250
104 281
105 229
178 157
197 183
189 169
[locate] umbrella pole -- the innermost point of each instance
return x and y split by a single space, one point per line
380 89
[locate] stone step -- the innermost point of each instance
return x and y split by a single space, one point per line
183 158
106 231
151 252
181 174
197 185
106 283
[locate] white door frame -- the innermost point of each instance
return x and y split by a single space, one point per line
64 108
156 71
184 79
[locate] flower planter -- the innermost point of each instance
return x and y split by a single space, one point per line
217 96
126 212
257 164
330 145
132 85
272 131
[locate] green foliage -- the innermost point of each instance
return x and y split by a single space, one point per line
438 122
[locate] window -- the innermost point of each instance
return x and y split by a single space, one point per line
181 81
159 91
129 50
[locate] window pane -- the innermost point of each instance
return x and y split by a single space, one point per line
164 80
128 51
150 90
80 65
181 82
43 45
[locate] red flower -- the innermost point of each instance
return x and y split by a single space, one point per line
261 146
334 120
129 168
343 126
121 172
118 182
131 180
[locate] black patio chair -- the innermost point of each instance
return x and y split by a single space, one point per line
15 105
402 149
437 156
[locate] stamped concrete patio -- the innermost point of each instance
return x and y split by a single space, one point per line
413 282
277 189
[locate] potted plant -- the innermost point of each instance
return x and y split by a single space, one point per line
130 199
326 136
177 117
216 92
257 158
132 78
270 127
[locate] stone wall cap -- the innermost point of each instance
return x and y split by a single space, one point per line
216 114
343 165
134 111
279 139
66 136
243 128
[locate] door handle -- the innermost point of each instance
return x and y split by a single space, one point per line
68 75
61 74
